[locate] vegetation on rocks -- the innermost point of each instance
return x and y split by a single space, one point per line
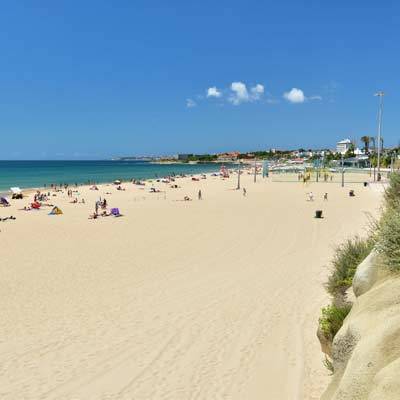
384 237
392 192
347 257
332 319
388 227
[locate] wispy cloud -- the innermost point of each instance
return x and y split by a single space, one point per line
257 91
297 96
330 90
213 92
190 103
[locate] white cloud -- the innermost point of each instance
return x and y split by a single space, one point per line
190 103
295 96
213 92
240 93
257 91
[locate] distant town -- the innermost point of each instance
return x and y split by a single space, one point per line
347 152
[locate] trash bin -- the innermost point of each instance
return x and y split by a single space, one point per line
318 214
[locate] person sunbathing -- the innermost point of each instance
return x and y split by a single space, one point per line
6 218
187 198
93 216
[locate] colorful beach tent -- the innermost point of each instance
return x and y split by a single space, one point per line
55 211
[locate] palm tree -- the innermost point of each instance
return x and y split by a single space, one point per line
366 140
372 139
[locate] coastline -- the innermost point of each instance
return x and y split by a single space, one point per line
111 170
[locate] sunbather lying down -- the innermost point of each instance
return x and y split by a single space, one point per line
93 216
187 198
6 218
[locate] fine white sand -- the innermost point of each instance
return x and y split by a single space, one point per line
211 299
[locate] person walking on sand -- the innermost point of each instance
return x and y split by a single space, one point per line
96 207
244 192
326 196
199 195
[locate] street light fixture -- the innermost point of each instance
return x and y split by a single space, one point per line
380 94
238 182
255 169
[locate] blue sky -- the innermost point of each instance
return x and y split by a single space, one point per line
93 79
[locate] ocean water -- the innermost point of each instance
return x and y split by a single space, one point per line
31 174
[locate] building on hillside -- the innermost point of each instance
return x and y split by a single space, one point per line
183 157
228 157
343 146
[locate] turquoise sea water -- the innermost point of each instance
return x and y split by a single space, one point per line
31 174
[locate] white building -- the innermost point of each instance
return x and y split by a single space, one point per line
343 146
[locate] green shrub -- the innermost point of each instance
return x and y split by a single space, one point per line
388 238
344 264
392 192
332 318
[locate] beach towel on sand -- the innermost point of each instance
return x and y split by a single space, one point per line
115 212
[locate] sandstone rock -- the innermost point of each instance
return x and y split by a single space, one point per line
365 275
366 350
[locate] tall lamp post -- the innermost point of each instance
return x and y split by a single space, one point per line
238 182
342 171
380 94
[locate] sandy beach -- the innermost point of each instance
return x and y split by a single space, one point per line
211 299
